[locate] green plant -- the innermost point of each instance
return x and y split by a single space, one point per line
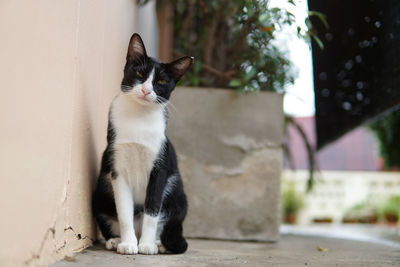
391 209
387 131
292 202
364 212
232 41
233 45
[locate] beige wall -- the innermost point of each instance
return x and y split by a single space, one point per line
60 65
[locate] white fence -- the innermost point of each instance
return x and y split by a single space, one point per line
335 192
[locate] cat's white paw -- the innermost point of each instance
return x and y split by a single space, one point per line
112 243
148 248
127 248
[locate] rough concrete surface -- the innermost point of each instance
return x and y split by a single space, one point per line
290 251
230 156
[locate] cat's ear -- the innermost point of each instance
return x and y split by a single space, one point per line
178 67
136 48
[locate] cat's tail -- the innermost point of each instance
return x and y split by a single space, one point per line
172 238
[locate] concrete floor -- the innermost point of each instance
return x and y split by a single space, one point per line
292 250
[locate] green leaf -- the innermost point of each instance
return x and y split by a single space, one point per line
275 10
308 23
250 12
197 67
321 17
250 74
264 19
318 41
235 83
290 14
196 81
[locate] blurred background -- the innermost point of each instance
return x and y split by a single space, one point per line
287 123
336 63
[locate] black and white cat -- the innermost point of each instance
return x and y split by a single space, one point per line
139 186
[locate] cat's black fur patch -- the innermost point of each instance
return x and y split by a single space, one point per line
173 205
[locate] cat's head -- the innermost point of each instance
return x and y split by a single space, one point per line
148 80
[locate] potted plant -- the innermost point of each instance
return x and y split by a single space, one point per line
229 142
292 202
391 209
364 212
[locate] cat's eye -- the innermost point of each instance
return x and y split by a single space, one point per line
138 73
162 82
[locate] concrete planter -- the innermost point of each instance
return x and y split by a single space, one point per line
230 156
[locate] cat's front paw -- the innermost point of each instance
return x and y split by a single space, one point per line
148 248
112 243
127 248
161 248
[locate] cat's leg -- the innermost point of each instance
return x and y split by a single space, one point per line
103 208
124 204
112 242
147 242
109 228
160 227
174 207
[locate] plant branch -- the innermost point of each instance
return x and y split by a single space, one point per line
312 165
228 75
210 38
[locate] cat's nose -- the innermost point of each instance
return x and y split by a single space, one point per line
145 91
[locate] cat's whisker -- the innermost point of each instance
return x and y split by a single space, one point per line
162 100
172 106
165 104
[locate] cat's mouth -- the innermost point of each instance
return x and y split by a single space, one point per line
144 100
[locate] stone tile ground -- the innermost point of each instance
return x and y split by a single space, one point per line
291 250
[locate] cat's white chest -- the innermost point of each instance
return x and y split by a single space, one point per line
139 135
135 124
